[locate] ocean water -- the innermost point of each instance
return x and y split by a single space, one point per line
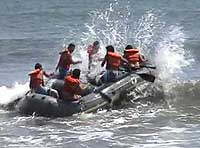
167 32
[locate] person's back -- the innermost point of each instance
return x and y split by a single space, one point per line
72 89
35 78
65 61
113 61
37 81
133 56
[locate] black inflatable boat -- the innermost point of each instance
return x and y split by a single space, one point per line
105 96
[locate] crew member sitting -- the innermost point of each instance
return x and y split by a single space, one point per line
72 90
37 82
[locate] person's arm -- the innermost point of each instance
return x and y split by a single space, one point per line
72 61
142 58
100 59
89 49
61 56
46 74
57 66
76 62
34 72
104 61
79 91
126 62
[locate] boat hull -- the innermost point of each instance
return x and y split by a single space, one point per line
107 96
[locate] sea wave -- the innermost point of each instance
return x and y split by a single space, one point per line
9 94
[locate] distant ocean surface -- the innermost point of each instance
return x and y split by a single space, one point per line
167 32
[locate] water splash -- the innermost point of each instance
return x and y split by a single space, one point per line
109 26
9 94
114 26
146 32
161 43
172 59
171 55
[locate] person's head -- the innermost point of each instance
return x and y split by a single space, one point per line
71 47
110 48
96 44
76 73
38 66
129 47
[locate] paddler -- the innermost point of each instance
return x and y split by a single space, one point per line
133 56
113 62
72 89
37 81
65 61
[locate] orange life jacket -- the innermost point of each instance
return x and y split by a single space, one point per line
71 85
113 60
65 60
36 78
132 55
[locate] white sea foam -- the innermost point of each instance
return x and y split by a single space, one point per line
171 56
8 94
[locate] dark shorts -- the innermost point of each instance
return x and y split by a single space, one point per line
41 90
62 73
111 76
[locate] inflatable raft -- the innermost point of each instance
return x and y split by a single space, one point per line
102 97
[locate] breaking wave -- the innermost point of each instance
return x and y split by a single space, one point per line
9 94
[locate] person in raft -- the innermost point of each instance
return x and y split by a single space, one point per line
65 61
72 90
133 56
37 82
113 62
93 54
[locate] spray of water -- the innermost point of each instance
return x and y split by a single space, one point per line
161 43
114 25
171 56
9 94
146 32
109 27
